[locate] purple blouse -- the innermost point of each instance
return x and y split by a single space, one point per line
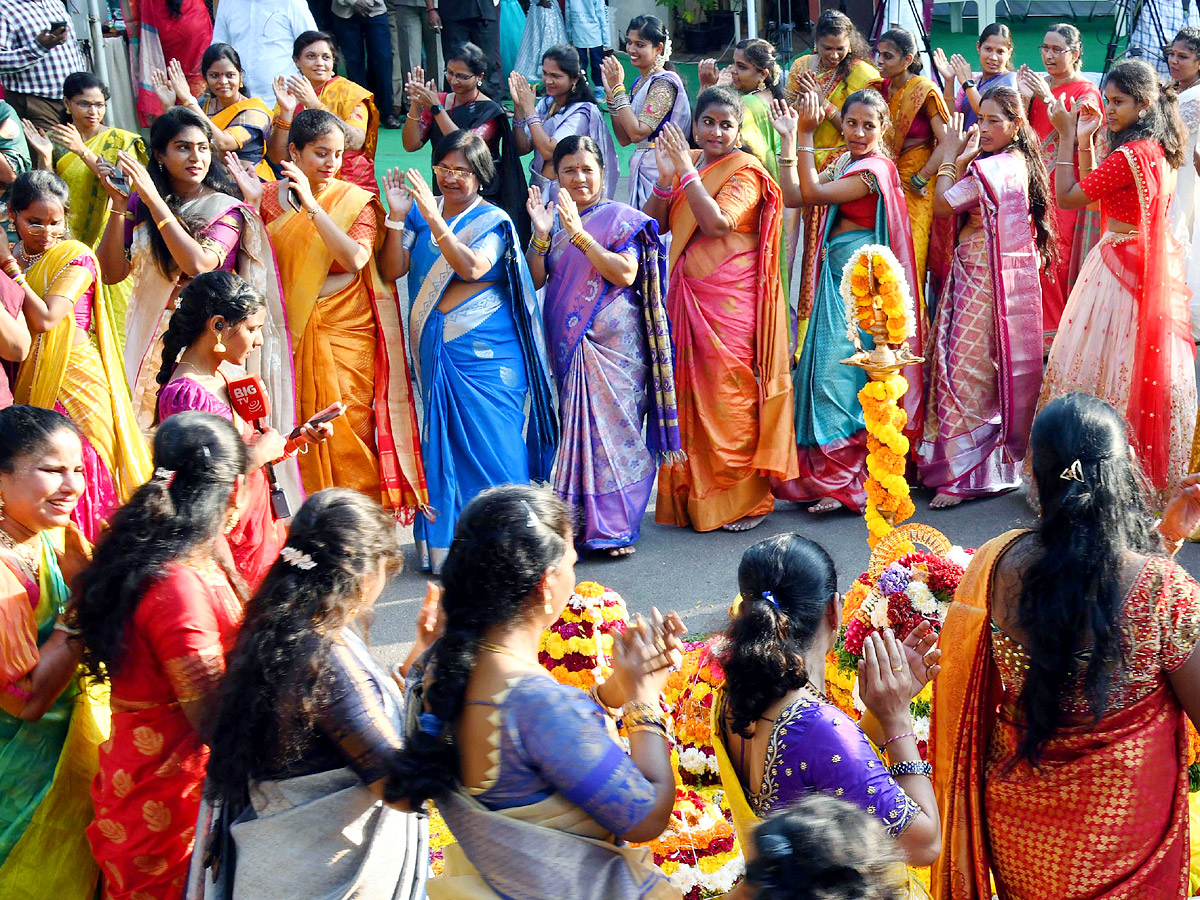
816 747
222 235
183 394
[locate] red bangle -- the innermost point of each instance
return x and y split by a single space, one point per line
688 178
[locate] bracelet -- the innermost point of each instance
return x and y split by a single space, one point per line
618 105
911 767
12 268
918 180
803 149
688 178
584 242
655 728
441 237
619 89
312 213
1065 162
540 246
164 221
634 714
829 110
393 224
662 193
67 629
911 734
278 122
948 169
519 123
535 119
787 160
19 279
594 693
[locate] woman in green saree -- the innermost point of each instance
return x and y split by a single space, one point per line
49 732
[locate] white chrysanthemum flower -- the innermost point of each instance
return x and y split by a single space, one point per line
921 727
922 598
959 556
856 699
875 607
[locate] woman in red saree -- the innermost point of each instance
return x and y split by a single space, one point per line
729 322
166 31
1058 737
158 611
1078 229
1125 335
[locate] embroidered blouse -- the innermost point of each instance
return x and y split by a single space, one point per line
222 235
1113 185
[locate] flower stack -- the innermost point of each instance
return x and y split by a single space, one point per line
578 648
689 696
878 301
699 851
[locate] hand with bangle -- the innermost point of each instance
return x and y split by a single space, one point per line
1181 517
568 215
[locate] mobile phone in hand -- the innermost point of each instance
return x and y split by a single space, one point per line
58 26
120 181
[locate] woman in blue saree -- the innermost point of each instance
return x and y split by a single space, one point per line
604 270
475 337
862 203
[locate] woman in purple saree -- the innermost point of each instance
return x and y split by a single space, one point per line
984 359
603 268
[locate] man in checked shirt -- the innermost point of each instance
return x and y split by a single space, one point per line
38 51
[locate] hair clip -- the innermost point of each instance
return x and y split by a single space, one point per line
167 475
179 301
297 558
774 845
1073 472
431 724
532 520
770 598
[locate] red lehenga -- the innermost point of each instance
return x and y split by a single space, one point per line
1105 816
147 792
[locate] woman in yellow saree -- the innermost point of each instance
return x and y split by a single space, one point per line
835 69
1058 735
344 320
729 322
75 365
919 117
76 150
49 728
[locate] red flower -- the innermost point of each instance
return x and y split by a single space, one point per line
856 633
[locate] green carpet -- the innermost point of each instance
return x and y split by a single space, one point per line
1027 36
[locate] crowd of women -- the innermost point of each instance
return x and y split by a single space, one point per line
195 340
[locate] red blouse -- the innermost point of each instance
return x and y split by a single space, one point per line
1112 184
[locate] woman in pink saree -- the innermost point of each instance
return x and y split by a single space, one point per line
984 359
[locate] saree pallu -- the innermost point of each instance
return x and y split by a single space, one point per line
611 352
584 118
729 323
1078 229
86 382
643 168
348 348
983 362
477 366
508 189
46 766
1097 821
162 38
250 121
1187 198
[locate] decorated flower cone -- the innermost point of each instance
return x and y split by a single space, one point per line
878 300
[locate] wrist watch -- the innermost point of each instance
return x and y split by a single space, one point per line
435 110
968 84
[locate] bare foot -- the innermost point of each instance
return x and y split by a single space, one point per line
944 501
618 552
826 505
744 524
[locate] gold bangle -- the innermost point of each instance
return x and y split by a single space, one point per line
653 729
445 234
165 221
278 122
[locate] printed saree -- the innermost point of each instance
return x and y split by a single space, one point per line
86 381
729 323
1105 814
983 364
249 122
643 169
611 352
354 105
348 348
830 430
584 118
479 367
46 766
918 99
163 37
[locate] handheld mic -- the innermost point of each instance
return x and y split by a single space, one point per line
248 397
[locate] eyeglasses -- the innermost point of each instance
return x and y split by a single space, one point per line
1055 51
90 106
449 172
459 76
36 229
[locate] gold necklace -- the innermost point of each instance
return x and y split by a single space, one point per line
29 557
496 648
29 260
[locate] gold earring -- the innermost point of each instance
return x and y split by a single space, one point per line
549 609
219 347
232 522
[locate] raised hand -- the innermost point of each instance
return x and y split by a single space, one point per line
247 181
726 76
120 199
955 138
884 681
1089 120
541 215
524 101
611 74
568 214
708 73
68 137
139 178
300 182
179 82
163 89
422 195
809 113
301 88
921 650
809 84
942 64
38 142
398 200
785 118
970 150
662 159
1062 116
287 102
1032 84
962 69
420 93
1182 515
677 146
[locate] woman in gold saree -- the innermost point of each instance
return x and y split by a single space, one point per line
344 320
1059 730
919 117
729 322
74 366
77 150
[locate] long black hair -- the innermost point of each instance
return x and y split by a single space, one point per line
1094 512
1140 81
1041 198
277 675
566 58
217 293
906 42
176 513
786 583
832 23
505 540
26 430
164 130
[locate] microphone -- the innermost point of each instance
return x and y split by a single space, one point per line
249 399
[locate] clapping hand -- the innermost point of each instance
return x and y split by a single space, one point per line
398 199
962 69
68 137
1088 120
179 82
422 195
923 656
955 138
643 657
139 178
675 144
611 74
970 150
809 113
808 83
1181 518
163 89
541 216
785 118
885 681
421 93
38 142
301 88
246 179
568 214
1062 116
942 64
1032 84
287 102
524 101
708 73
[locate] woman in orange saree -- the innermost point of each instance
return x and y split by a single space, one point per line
157 613
344 320
1058 737
319 87
729 321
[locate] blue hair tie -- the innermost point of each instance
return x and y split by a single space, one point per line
431 724
770 598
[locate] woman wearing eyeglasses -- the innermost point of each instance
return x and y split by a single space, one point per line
432 116
75 365
475 337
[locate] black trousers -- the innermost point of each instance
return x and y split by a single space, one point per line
485 34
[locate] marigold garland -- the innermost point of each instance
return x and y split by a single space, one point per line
873 279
